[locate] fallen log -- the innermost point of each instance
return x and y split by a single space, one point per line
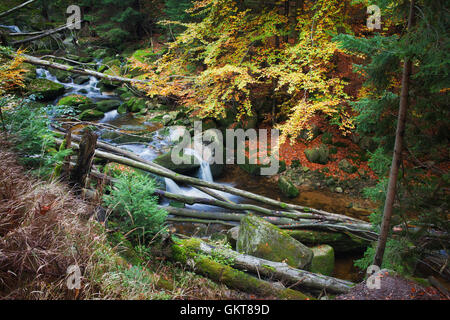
54 65
186 254
270 269
7 12
43 34
194 181
221 216
360 227
233 206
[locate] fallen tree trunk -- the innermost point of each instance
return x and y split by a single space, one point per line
353 224
281 222
186 254
54 65
7 12
194 181
222 216
270 269
233 206
43 34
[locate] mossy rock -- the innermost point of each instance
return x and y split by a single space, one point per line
107 105
76 101
339 241
233 235
188 164
45 90
327 138
255 169
262 239
81 80
122 109
287 187
323 260
91 114
347 167
62 76
319 154
135 104
30 74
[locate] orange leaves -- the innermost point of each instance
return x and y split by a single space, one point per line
11 73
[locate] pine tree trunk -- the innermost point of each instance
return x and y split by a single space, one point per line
397 158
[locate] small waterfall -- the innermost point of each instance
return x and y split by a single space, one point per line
110 115
14 29
205 168
172 187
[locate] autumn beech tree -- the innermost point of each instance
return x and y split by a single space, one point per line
245 59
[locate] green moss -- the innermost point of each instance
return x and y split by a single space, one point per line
107 105
45 90
91 114
260 238
185 250
323 260
76 100
319 154
339 241
287 187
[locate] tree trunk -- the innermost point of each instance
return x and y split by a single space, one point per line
5 13
276 270
44 63
185 252
42 35
397 158
86 153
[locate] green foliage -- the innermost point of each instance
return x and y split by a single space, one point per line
32 136
117 21
421 196
400 256
135 206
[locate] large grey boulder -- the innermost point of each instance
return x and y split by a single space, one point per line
262 239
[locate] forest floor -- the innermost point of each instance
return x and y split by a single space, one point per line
41 223
392 287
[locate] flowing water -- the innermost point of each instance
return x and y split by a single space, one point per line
161 142
13 29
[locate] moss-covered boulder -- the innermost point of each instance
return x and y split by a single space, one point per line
45 90
347 167
76 101
339 241
30 73
318 154
188 162
262 239
135 104
323 260
81 80
91 114
107 105
62 76
233 235
255 169
287 187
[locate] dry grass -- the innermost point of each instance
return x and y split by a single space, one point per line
41 234
44 229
